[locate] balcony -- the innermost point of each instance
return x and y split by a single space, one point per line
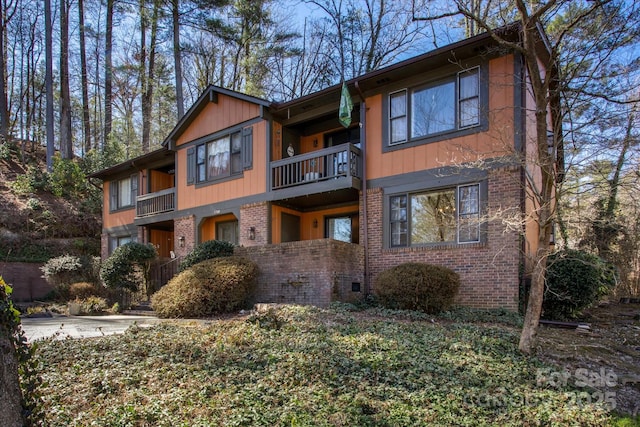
326 165
156 203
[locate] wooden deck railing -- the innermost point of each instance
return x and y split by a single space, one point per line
321 165
156 203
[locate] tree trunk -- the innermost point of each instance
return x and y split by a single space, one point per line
4 113
10 403
49 83
177 60
10 393
149 81
544 160
86 119
66 138
108 74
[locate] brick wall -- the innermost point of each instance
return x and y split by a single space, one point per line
25 279
488 271
185 226
312 272
254 215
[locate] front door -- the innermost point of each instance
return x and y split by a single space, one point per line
290 228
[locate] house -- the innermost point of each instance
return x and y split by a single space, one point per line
418 175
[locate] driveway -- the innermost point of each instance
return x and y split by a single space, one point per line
82 326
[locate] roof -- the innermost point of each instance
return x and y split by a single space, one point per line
302 107
160 156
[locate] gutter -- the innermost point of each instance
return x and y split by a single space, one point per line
365 221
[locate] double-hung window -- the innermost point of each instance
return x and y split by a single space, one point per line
123 193
447 105
450 215
225 155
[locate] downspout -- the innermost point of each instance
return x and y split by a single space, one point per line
363 150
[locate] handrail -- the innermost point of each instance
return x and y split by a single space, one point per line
156 203
343 160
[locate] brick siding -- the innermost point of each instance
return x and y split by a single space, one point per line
313 272
255 215
184 227
489 271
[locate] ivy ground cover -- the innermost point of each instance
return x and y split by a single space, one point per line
304 366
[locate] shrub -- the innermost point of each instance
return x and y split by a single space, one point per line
67 269
213 286
82 290
128 266
417 286
206 250
575 281
93 305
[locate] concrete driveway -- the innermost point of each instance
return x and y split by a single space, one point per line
82 326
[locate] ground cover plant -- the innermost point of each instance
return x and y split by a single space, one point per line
304 366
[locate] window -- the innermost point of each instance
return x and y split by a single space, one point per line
344 228
442 216
227 231
444 106
226 155
123 193
117 241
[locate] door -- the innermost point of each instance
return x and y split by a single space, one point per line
290 230
227 231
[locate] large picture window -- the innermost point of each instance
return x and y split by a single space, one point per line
123 193
447 105
441 216
226 155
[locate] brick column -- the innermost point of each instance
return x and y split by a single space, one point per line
256 216
184 227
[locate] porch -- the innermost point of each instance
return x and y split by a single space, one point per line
333 169
156 203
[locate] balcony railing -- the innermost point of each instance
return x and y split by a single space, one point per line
321 165
156 203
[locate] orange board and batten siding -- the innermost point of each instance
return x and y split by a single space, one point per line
496 141
215 118
218 116
115 219
307 229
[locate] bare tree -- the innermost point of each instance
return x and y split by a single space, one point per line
49 83
108 74
147 68
7 11
368 34
548 79
177 58
66 137
86 118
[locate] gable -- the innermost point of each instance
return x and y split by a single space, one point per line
216 116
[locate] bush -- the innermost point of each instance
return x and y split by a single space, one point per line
575 281
83 290
128 266
417 286
93 305
213 286
67 269
206 250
